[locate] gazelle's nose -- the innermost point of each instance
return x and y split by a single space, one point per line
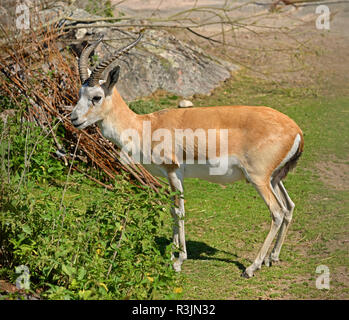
73 116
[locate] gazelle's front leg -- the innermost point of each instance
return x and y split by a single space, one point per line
175 179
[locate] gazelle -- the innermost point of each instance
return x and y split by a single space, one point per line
261 146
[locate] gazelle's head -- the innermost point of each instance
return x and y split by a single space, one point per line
93 94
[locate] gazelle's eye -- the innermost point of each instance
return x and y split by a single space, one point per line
96 99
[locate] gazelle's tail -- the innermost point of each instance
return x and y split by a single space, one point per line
281 173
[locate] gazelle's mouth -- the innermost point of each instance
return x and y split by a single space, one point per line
78 125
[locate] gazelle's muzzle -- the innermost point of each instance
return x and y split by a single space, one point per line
76 117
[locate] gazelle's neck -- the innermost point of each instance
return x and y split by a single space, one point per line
117 117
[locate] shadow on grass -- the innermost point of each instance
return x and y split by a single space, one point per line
201 251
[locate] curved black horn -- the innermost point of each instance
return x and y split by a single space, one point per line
83 60
97 72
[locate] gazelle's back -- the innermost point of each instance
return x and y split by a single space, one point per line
246 118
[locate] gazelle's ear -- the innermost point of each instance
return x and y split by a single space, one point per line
112 79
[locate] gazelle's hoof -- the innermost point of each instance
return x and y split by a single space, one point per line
269 261
247 274
177 266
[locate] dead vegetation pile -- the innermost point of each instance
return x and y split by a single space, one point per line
40 77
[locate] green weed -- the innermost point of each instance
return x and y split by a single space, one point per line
226 226
78 241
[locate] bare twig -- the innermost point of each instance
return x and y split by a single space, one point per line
68 175
118 244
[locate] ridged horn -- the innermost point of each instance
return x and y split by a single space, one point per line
83 60
97 72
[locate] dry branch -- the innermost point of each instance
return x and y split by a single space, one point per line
45 79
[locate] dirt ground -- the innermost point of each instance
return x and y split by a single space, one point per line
334 173
283 45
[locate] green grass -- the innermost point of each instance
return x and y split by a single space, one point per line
225 225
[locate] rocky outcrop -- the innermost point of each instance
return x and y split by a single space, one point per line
160 61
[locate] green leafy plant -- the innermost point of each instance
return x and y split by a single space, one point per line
78 240
30 152
103 8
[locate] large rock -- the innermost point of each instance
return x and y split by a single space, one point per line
160 61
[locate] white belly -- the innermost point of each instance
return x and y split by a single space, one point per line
202 171
231 171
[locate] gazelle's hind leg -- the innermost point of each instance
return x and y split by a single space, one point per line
277 211
284 197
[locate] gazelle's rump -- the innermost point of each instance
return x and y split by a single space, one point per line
289 162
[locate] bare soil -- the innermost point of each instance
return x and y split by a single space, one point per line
334 174
284 45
